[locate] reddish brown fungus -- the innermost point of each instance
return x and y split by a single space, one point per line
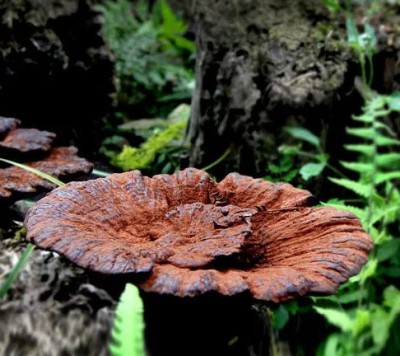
21 142
191 235
62 162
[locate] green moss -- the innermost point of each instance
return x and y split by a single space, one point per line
143 156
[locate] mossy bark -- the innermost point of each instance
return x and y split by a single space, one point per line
263 64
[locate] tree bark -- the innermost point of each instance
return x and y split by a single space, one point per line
55 69
262 64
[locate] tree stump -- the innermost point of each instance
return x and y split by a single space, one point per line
55 69
262 64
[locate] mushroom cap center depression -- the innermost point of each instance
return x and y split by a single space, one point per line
193 235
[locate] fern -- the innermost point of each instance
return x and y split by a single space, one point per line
377 165
127 333
361 189
377 169
149 54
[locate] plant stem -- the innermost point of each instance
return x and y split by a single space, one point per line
218 160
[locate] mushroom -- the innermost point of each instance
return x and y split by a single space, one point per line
26 143
62 162
34 148
187 235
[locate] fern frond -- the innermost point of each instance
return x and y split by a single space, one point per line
361 189
386 177
360 213
367 150
363 132
357 167
127 334
389 213
381 140
388 160
367 118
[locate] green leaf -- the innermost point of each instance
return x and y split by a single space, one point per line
43 175
357 167
361 189
352 297
387 250
379 326
127 333
289 150
311 170
356 211
331 346
368 150
368 270
361 322
394 101
381 140
171 25
386 177
366 117
366 133
333 5
391 298
281 317
337 318
303 134
388 160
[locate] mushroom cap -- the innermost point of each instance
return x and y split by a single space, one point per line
62 162
26 142
189 235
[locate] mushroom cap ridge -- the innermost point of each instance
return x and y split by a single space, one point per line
191 235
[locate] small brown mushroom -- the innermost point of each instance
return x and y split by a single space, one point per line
26 143
7 124
191 235
62 162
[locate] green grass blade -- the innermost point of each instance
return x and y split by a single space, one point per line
100 173
16 270
127 334
35 171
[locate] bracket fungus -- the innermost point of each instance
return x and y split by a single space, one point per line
21 142
34 148
187 235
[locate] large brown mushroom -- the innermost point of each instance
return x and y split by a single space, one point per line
187 235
